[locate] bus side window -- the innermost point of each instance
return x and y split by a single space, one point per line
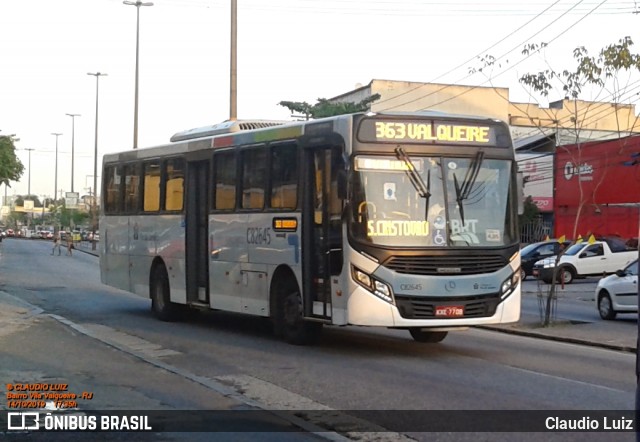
131 188
254 166
284 177
112 187
224 180
151 197
174 187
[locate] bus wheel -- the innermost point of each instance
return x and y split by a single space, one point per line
432 337
290 322
161 306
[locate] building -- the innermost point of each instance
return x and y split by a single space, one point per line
597 188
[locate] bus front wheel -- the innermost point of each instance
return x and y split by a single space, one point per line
432 337
161 304
290 322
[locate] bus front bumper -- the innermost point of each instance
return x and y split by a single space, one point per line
366 309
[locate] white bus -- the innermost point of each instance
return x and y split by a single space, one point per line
403 220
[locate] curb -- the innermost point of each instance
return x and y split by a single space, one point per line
533 334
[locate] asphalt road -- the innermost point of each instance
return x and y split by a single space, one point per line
351 369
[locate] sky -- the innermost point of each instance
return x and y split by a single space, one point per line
296 50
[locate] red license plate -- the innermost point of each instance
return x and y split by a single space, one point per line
449 311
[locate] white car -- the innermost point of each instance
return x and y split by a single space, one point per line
618 293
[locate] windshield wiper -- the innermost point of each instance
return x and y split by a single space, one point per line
463 191
421 187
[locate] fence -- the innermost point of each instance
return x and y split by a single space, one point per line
535 231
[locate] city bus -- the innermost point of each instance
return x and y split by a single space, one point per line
398 220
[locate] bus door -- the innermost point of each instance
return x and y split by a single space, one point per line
322 228
196 231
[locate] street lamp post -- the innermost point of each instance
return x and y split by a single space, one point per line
73 141
95 160
55 182
29 186
233 86
29 175
137 4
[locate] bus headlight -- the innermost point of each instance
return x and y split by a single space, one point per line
378 288
509 284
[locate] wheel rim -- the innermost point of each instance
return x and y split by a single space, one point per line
605 306
566 276
523 275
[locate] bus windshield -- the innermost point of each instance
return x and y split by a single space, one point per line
420 201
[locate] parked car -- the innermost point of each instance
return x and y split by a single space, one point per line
586 259
537 251
618 293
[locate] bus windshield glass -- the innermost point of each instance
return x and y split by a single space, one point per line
421 201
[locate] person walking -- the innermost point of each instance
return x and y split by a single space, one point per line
69 243
56 243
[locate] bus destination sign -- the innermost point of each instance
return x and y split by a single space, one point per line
426 131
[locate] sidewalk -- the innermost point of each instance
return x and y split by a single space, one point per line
86 247
614 335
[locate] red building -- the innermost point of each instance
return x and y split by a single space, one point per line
598 183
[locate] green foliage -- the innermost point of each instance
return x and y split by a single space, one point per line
21 198
70 217
325 108
589 70
11 168
531 212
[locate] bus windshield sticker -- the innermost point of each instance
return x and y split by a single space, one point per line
390 191
493 235
385 164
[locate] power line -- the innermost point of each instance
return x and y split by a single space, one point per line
502 56
474 57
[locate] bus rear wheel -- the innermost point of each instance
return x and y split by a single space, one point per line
431 337
161 304
290 323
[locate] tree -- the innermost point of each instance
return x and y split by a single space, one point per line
609 72
325 108
11 168
20 199
531 212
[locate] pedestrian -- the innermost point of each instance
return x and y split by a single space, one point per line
56 243
69 243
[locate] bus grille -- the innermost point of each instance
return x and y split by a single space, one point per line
446 265
412 307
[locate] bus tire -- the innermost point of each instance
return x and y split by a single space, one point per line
290 323
430 337
161 304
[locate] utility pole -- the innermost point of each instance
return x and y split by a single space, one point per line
233 92
55 182
95 162
73 138
137 4
29 187
29 176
